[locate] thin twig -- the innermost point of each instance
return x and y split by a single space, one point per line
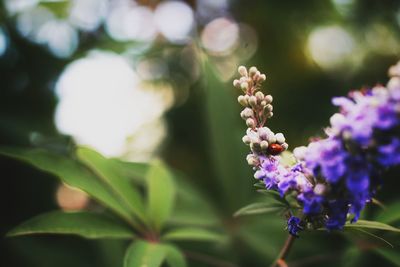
280 261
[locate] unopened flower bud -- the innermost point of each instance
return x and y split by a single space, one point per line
242 100
280 138
252 160
256 76
264 145
262 78
246 140
271 138
268 99
253 101
263 103
236 83
244 86
250 123
247 113
252 71
260 96
269 107
242 70
270 114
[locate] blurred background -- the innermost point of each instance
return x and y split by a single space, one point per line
132 79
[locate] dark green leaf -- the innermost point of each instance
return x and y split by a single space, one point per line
273 195
260 208
144 254
192 234
108 171
161 194
71 173
226 130
372 225
174 256
85 224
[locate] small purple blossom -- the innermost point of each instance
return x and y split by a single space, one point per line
293 225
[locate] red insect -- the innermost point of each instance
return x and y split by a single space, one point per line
275 149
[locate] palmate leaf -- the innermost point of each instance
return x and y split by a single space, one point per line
144 254
361 224
161 194
107 170
260 208
84 224
192 234
72 173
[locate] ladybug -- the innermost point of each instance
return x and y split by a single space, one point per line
275 149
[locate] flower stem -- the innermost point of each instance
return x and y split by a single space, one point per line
280 261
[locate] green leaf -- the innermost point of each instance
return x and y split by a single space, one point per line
134 171
389 254
390 215
260 208
192 234
107 170
372 225
144 254
71 173
161 194
174 256
84 224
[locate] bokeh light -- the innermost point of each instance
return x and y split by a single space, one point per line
175 20
88 15
330 46
70 198
102 102
220 36
60 37
3 41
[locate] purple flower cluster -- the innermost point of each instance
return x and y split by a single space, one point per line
362 141
336 176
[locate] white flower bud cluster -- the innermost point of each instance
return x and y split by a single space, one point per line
257 109
257 106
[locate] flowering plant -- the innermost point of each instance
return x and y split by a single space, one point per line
333 178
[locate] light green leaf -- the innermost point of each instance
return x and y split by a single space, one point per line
192 234
260 208
161 194
391 214
389 254
134 171
144 254
108 171
85 224
372 225
174 256
71 173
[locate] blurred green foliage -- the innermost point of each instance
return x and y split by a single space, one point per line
203 143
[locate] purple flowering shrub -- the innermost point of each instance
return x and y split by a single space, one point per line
334 177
